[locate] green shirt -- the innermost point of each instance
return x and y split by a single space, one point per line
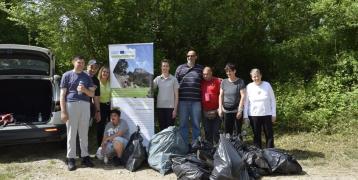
105 92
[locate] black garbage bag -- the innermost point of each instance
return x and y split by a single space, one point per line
203 145
204 149
165 145
189 167
256 162
238 144
281 162
228 163
135 153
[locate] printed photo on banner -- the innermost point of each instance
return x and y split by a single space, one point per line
132 70
131 67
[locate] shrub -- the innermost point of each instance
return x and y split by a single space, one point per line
328 103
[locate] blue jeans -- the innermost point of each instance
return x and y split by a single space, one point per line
190 109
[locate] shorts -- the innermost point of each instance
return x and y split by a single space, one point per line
110 149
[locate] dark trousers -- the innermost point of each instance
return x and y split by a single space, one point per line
257 124
105 109
212 127
230 122
165 118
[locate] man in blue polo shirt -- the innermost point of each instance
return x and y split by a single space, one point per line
76 90
189 76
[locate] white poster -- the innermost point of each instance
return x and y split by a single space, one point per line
131 68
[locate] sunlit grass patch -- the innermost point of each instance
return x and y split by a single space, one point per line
316 149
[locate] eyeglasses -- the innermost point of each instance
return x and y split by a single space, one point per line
190 55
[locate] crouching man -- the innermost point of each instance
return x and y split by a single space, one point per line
115 139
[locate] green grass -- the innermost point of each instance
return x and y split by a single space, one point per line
6 175
12 170
312 149
139 92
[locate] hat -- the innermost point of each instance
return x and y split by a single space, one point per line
92 62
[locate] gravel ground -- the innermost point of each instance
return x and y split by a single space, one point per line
46 161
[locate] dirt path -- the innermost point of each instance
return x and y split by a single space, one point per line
45 161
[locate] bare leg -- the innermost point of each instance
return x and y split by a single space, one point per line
119 148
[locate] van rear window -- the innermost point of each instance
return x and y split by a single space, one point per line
23 63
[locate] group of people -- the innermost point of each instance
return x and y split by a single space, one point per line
193 92
85 96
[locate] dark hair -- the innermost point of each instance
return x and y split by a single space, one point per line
165 61
192 49
77 57
254 71
117 111
230 66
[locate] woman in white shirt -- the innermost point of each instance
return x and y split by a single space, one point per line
260 108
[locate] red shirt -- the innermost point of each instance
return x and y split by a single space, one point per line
210 91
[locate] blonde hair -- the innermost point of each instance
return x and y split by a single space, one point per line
99 76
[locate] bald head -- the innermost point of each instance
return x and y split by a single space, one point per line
207 73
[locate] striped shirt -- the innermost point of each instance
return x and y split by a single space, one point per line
189 82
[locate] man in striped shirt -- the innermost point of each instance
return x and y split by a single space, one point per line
189 76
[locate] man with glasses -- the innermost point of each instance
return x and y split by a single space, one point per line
189 76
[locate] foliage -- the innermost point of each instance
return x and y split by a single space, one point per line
328 103
10 32
307 49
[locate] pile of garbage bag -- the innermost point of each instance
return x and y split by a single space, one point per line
230 159
164 146
191 167
228 162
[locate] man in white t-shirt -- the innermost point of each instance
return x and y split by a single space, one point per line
115 138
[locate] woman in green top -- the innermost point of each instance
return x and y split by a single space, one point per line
104 99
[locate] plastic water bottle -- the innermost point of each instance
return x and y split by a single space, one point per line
105 158
40 117
80 83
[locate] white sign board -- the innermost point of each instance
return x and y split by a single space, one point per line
131 67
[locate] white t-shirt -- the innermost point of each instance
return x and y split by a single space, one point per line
260 100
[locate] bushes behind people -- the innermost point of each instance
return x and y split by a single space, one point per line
328 103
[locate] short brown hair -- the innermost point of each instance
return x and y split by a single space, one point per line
165 61
230 66
77 57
